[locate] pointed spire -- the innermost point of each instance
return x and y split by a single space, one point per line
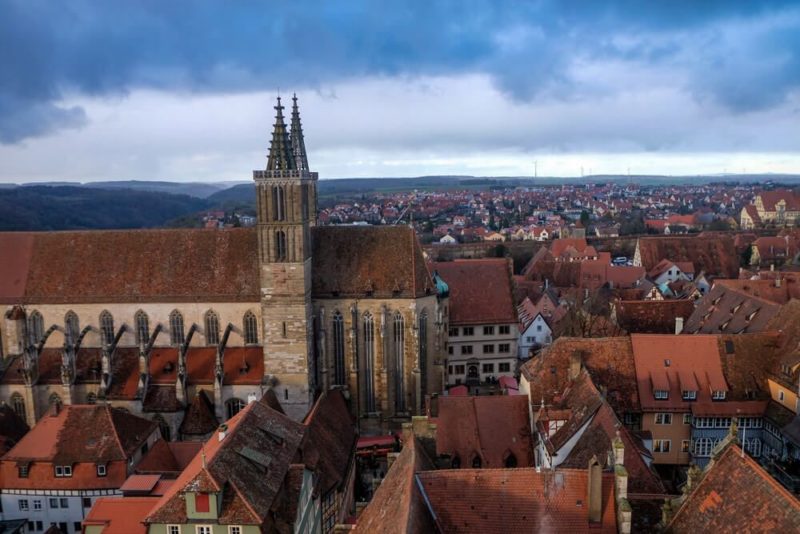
298 142
280 155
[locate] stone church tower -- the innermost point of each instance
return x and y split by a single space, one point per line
286 195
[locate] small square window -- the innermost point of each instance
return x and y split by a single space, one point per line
59 471
505 367
505 329
37 504
64 502
22 471
234 529
77 526
173 529
488 368
87 502
53 503
685 445
101 470
23 505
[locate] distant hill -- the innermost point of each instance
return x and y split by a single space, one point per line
238 194
76 208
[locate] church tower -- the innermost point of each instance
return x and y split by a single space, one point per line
286 193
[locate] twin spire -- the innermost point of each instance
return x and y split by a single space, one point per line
287 150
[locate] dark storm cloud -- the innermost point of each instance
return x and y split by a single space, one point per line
742 55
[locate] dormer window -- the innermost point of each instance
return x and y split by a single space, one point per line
63 471
717 395
661 394
101 470
689 395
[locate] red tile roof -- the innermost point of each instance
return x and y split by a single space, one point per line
652 316
200 418
727 310
713 254
516 500
480 291
120 515
737 495
470 426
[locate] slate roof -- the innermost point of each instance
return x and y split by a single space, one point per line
469 426
398 506
516 500
782 293
737 495
713 254
480 291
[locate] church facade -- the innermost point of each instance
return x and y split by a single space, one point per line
167 323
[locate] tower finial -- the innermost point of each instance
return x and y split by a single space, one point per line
280 155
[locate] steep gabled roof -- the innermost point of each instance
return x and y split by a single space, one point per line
737 495
714 254
200 418
652 316
727 310
480 291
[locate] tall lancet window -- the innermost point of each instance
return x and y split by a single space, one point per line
250 328
339 377
368 382
142 327
106 328
176 333
71 326
35 327
399 367
280 245
278 203
212 328
423 353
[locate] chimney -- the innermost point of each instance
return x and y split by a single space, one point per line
223 431
678 325
575 365
778 281
595 488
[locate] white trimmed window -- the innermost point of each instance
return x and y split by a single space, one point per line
661 445
23 505
173 529
663 418
718 395
203 529
234 529
101 470
661 394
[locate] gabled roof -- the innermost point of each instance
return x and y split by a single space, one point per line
168 457
470 426
83 433
480 291
727 310
652 316
120 515
200 418
714 254
516 500
737 495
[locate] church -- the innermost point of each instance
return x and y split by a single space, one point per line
184 326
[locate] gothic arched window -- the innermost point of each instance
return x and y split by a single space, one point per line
55 400
399 363
280 245
476 462
250 328
72 326
142 327
212 328
369 362
339 377
18 405
35 327
106 328
278 203
423 352
511 460
233 406
176 327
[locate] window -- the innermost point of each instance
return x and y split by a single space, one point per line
450 349
689 395
780 395
176 328
77 526
71 327
63 470
504 348
476 462
399 362
538 328
101 470
685 445
488 330
64 502
278 203
35 327
687 419
142 327
250 328
452 331
530 339
661 445
488 368
233 406
87 502
55 400
369 361
466 349
53 502
37 504
488 349
753 447
718 395
212 328
201 502
106 328
703 447
203 529
505 329
661 394
422 333
23 505
663 418
22 470
234 529
280 245
39 526
173 529
339 377
468 331
459 369
504 367
18 405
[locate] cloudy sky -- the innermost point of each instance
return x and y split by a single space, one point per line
183 90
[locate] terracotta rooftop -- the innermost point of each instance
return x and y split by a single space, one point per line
713 254
737 495
470 426
781 293
480 291
516 500
652 316
120 515
200 418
